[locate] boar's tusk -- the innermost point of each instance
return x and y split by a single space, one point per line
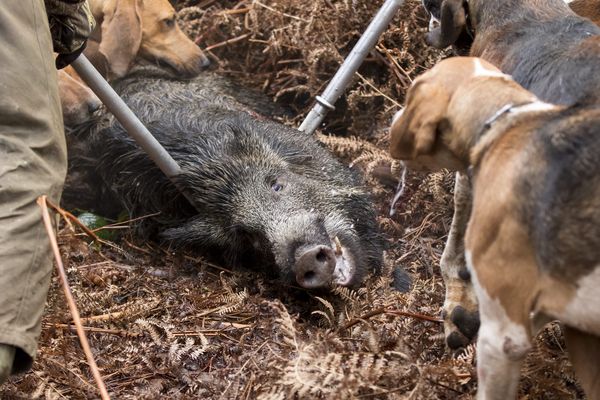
338 246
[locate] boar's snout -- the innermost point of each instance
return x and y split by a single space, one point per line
315 266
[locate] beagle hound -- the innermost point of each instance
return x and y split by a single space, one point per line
542 44
549 50
533 239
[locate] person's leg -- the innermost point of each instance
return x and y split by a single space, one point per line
32 163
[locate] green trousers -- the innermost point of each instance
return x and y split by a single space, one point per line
32 162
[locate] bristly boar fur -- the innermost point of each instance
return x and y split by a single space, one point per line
265 194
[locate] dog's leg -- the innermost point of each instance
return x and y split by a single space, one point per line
460 314
584 352
503 342
501 348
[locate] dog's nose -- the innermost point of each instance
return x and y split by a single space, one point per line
93 105
204 61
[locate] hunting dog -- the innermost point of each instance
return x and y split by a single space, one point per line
131 31
542 44
549 50
533 239
77 100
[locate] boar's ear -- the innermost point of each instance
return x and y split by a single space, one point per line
121 34
453 20
414 133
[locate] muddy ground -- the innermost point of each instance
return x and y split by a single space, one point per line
164 324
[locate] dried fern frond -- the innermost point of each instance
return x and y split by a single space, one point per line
233 301
328 307
352 296
285 323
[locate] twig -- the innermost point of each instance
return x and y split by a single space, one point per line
445 386
241 369
126 222
104 317
280 13
232 325
391 66
208 264
383 310
68 216
95 330
205 3
291 61
365 80
43 203
368 315
414 315
228 41
71 371
381 394
395 66
96 264
416 233
128 243
236 11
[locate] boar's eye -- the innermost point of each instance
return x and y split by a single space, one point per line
276 186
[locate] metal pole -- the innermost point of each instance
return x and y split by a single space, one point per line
126 117
129 121
342 78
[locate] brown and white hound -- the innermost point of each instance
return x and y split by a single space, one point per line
533 239
550 51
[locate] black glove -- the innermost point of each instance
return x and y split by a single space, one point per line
71 23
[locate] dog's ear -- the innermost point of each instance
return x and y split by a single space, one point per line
415 131
453 20
98 60
121 34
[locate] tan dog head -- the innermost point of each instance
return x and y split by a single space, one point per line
445 107
77 100
145 29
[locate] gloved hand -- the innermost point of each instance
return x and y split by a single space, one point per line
71 23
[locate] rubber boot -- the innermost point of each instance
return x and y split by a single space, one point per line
7 357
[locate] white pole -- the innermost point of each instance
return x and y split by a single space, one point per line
344 75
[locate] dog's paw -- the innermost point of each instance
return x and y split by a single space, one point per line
460 312
461 327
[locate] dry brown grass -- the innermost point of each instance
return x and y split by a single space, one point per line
169 325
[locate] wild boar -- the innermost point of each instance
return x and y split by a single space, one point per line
265 194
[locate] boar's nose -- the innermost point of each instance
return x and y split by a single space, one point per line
315 267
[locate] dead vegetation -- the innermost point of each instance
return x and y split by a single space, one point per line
169 325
